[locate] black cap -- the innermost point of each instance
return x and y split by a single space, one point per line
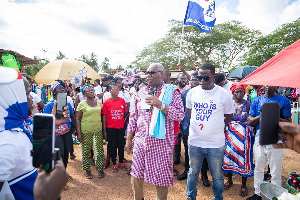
104 79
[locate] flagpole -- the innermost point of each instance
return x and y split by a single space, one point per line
182 32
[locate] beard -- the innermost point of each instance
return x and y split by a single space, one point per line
181 85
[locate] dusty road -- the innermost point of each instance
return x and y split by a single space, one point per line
116 186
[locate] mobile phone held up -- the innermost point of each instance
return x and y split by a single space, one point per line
61 103
43 141
269 119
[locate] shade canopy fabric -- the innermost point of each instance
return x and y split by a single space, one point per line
64 68
241 72
281 70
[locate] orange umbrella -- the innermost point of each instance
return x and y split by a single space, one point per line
64 68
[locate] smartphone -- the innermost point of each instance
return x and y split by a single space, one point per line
269 119
61 103
43 141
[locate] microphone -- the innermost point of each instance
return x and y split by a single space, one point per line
152 91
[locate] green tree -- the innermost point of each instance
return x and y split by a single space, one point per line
163 51
91 60
120 67
31 70
269 45
220 47
60 55
129 66
105 66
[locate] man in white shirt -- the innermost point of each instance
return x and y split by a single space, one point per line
210 108
266 153
100 89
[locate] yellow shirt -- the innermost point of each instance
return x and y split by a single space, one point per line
91 117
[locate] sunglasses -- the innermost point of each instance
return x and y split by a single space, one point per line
151 72
205 78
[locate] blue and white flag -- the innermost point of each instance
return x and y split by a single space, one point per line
201 13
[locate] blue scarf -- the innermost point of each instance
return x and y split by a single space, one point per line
159 129
84 88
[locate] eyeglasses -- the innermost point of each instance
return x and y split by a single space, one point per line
205 78
151 72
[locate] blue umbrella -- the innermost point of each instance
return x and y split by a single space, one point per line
241 72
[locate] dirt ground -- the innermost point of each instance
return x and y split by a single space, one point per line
117 186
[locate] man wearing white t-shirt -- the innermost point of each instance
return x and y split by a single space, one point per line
100 89
210 108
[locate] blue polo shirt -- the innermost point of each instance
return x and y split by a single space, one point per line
48 109
285 108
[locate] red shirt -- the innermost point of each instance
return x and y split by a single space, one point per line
114 111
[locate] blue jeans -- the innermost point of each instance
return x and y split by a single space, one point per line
215 158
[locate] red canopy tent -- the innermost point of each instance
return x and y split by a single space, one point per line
281 70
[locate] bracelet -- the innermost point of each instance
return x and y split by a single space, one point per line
162 106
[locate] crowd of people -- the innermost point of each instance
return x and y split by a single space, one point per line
217 120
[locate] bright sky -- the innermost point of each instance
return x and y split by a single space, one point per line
117 29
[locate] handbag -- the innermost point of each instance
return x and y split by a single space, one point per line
63 129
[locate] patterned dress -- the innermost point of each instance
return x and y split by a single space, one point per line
153 158
238 156
92 138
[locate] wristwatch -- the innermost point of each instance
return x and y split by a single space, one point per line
162 106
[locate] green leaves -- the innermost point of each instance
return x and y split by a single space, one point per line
269 45
31 70
91 60
220 47
228 46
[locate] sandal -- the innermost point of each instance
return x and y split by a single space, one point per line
114 169
227 185
101 174
72 157
244 191
88 175
123 166
175 172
